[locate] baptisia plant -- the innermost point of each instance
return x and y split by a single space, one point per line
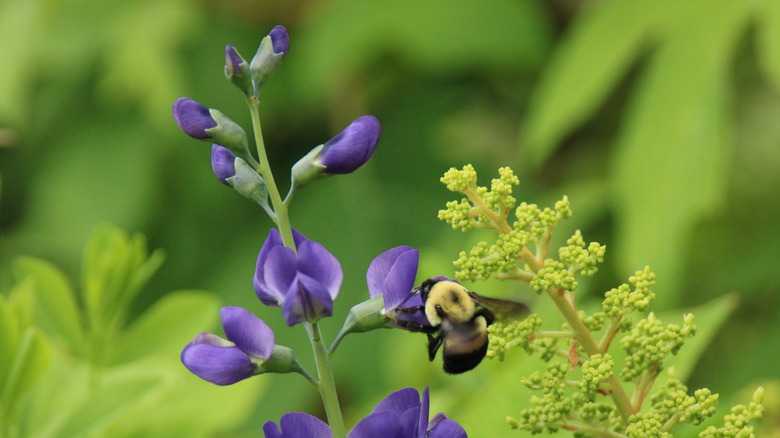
293 273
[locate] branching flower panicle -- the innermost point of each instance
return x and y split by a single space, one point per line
574 387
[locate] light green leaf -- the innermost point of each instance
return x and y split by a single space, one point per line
109 401
170 324
670 165
768 40
20 22
590 61
30 360
58 311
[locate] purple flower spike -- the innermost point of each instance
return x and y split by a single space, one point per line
233 60
224 362
400 415
352 147
304 285
193 118
280 40
223 163
392 275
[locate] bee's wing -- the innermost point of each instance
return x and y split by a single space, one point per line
503 309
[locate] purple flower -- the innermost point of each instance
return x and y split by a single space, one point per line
272 51
223 163
280 40
303 284
352 147
400 415
391 274
249 343
237 70
193 118
203 123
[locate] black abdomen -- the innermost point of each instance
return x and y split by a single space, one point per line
462 362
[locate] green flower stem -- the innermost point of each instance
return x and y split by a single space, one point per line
643 386
327 386
595 431
585 338
609 335
500 221
264 169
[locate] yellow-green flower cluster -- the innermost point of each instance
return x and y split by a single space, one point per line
579 258
554 276
737 422
514 334
596 370
649 342
646 425
619 302
481 208
673 402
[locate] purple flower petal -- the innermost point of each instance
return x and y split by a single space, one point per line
218 365
352 147
399 402
271 430
297 425
446 428
380 268
273 240
307 300
223 163
279 272
247 331
193 118
233 59
280 39
378 425
422 423
399 282
316 262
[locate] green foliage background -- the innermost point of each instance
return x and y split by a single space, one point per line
658 118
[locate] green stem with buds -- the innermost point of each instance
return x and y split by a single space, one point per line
264 169
325 382
585 338
326 386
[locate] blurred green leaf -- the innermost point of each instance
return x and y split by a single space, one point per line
590 61
20 22
56 305
437 36
116 266
105 404
170 324
671 157
768 40
28 362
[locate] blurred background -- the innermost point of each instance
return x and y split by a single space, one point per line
659 120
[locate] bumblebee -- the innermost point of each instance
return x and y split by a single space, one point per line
458 321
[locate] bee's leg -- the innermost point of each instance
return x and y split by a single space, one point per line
434 343
413 326
414 309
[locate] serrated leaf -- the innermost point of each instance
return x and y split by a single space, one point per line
170 324
669 169
56 303
596 53
768 40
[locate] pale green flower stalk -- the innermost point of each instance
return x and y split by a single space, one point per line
573 384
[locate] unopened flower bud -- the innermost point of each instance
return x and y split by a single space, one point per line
344 153
237 70
208 124
235 172
273 49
